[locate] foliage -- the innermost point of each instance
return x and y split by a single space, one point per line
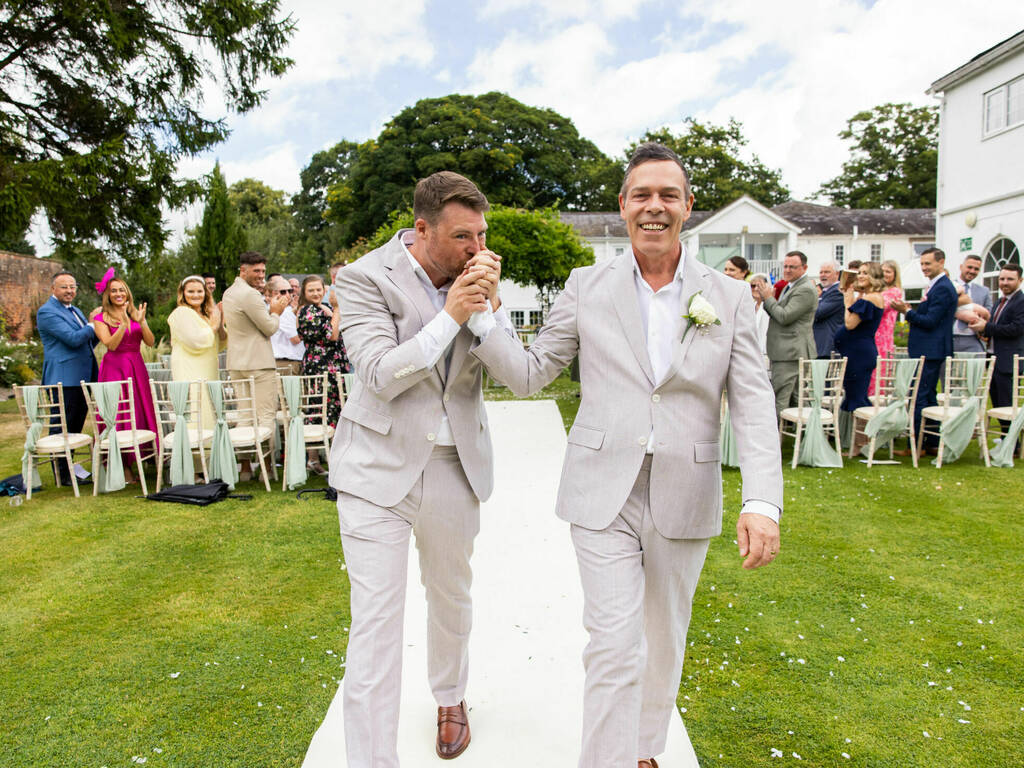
270 227
257 203
893 159
519 156
901 333
712 155
309 206
536 247
220 238
99 100
21 362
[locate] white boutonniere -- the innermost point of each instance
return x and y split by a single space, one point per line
700 314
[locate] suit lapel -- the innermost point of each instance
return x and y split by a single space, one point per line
459 351
399 271
623 298
695 280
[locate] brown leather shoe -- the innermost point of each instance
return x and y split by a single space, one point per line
452 731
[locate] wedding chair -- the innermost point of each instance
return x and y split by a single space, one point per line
889 415
1010 416
345 383
179 420
304 405
112 408
234 403
960 416
42 410
811 422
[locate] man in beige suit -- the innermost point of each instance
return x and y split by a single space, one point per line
250 323
412 454
641 483
790 327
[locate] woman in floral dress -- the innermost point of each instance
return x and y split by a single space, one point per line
884 335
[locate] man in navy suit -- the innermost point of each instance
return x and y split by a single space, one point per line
1005 331
931 331
68 338
829 314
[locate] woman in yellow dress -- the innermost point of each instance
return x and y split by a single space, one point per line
197 328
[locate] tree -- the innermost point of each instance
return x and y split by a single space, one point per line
99 100
327 167
257 203
518 155
220 238
893 159
537 248
270 227
718 175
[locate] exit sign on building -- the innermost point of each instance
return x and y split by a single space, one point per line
966 243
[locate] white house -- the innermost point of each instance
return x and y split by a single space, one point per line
980 205
762 236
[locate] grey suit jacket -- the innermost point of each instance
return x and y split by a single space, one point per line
791 325
979 295
249 325
598 316
387 428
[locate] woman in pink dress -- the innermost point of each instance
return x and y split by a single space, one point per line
893 291
122 328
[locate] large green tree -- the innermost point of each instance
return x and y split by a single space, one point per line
893 159
270 226
714 159
518 155
220 237
326 168
99 100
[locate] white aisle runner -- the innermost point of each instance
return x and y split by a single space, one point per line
525 670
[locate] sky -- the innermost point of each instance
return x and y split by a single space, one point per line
791 72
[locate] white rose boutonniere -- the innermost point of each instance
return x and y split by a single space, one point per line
700 313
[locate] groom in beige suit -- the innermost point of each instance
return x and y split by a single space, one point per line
642 481
412 455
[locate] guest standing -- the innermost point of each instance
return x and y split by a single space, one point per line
828 317
964 339
286 342
737 268
1006 335
197 328
122 328
761 318
318 327
856 339
893 291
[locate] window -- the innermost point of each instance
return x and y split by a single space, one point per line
517 316
1002 252
1004 106
837 253
619 251
536 317
876 251
920 248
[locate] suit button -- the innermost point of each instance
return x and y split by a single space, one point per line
446 397
642 441
655 398
398 374
431 436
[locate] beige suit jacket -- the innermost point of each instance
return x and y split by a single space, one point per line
791 322
388 426
598 316
249 325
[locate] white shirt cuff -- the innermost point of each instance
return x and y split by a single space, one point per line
435 336
758 507
502 319
481 323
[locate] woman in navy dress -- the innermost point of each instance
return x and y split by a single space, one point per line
856 339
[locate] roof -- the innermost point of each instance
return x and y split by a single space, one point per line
980 62
591 225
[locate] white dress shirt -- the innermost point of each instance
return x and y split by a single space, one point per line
281 339
435 338
660 312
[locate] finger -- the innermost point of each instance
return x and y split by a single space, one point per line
742 537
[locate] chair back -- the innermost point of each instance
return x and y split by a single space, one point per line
1018 384
966 377
346 381
832 374
124 418
312 402
239 397
49 407
164 408
888 383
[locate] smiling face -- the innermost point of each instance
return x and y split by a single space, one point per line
931 267
654 206
211 284
733 271
314 291
862 283
254 274
792 268
969 269
194 292
459 234
888 274
1009 281
118 293
64 289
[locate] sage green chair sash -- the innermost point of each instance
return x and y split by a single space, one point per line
893 418
295 440
107 395
1002 455
30 396
222 454
815 449
727 442
182 468
957 431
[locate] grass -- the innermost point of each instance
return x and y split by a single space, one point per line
216 635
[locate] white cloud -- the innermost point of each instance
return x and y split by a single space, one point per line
565 10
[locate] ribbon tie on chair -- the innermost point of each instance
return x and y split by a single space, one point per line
893 418
222 454
182 468
1002 454
30 396
957 431
815 450
107 395
295 442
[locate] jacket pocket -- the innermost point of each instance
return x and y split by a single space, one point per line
585 436
706 451
378 422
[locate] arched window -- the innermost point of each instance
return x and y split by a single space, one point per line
1002 252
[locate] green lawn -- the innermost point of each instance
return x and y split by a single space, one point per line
215 635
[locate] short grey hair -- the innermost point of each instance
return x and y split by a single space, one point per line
650 151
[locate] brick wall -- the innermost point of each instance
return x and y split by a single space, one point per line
24 286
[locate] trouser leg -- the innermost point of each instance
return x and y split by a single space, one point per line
75 411
926 396
784 375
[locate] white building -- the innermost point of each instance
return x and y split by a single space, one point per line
762 236
980 205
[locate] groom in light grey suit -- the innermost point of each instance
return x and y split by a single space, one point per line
412 454
642 481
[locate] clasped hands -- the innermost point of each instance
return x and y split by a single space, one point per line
477 284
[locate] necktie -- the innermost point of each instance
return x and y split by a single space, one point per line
785 290
999 309
78 320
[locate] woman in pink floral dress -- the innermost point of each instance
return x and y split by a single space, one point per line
893 291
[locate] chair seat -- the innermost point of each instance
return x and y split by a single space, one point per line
124 438
55 443
801 415
1004 412
938 413
315 432
194 436
248 435
866 412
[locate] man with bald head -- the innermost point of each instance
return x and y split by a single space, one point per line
829 314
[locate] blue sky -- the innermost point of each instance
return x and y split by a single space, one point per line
792 72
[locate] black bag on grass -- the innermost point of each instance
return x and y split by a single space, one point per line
200 494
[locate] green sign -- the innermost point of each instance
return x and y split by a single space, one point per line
966 244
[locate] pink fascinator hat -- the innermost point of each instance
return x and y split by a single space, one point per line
101 286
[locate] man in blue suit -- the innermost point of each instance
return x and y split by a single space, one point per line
68 338
931 331
830 312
